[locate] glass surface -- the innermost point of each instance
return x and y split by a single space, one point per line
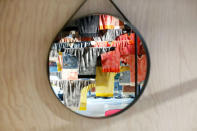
92 65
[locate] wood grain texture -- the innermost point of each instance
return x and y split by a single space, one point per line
169 102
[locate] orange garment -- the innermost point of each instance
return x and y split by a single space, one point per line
126 37
142 67
142 50
100 44
69 39
111 60
109 22
131 38
86 39
125 49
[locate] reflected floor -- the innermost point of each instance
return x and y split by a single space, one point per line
96 107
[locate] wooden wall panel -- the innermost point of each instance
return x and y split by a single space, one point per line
169 103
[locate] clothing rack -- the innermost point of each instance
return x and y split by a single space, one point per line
137 89
86 76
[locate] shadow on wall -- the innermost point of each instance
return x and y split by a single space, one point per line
143 104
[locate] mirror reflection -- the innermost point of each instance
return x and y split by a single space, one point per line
92 65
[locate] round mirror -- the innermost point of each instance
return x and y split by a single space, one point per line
98 65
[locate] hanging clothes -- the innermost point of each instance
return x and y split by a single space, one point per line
126 36
70 62
126 47
60 46
87 58
109 35
72 92
60 62
88 26
142 67
86 39
109 22
124 78
100 44
69 39
82 44
105 82
131 38
70 67
53 53
70 74
111 60
53 56
69 36
83 98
